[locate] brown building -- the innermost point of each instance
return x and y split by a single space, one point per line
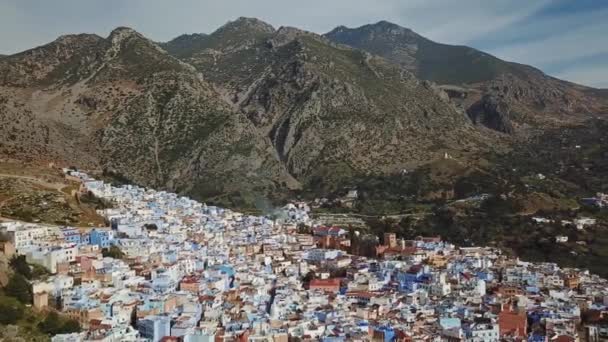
510 291
84 316
281 337
190 284
512 323
7 248
41 300
390 240
438 261
571 280
332 242
327 285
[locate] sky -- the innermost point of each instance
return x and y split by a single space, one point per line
565 38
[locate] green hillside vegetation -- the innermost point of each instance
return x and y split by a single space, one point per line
17 317
440 63
449 64
40 194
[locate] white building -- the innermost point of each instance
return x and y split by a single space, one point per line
50 256
483 332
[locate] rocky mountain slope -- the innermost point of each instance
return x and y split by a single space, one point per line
123 104
245 109
328 110
501 95
251 110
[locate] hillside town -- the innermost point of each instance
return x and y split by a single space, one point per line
181 270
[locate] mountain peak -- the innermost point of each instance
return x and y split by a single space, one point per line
252 24
286 34
122 32
385 23
188 36
381 26
72 38
388 27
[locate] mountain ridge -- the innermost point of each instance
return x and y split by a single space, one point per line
504 95
248 110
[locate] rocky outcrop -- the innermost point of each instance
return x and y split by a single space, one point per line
493 113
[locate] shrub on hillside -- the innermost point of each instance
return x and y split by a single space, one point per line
11 310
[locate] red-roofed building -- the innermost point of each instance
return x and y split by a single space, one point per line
327 285
512 323
329 242
190 284
401 336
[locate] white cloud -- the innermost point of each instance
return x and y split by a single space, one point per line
461 22
563 45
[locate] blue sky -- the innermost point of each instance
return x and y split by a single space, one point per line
565 38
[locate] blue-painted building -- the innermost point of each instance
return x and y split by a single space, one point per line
484 275
101 238
409 281
85 238
449 322
537 338
333 339
71 235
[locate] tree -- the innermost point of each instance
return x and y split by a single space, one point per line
20 265
53 324
303 228
39 272
19 288
10 310
70 326
112 252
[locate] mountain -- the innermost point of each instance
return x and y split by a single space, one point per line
245 111
329 111
251 111
452 140
501 95
440 63
122 104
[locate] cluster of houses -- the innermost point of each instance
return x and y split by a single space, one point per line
196 273
600 200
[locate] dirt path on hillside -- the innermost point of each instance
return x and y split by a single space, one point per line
88 216
54 186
